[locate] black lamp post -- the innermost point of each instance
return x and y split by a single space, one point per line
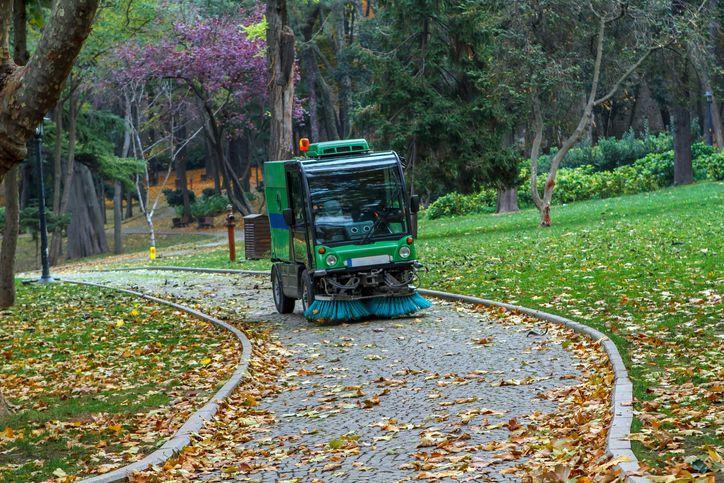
45 277
708 122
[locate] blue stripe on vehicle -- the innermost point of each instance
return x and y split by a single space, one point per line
276 220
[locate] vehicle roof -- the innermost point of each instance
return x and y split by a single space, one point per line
352 161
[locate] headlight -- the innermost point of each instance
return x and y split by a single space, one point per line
404 252
331 260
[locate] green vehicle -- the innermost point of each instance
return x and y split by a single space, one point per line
342 243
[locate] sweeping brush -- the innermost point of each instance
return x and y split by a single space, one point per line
387 307
336 310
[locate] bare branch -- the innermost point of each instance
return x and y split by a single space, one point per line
626 75
535 152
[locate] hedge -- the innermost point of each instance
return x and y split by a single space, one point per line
649 173
611 153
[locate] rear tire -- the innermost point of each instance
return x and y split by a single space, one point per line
284 304
307 290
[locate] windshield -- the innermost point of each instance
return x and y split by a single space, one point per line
357 205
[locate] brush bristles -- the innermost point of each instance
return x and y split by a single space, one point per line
383 307
396 306
336 310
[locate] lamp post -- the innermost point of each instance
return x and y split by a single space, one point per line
45 277
708 122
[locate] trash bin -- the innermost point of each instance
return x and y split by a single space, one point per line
257 237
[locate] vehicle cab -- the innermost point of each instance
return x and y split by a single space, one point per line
340 219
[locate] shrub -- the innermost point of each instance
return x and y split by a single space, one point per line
453 204
30 220
649 173
610 153
209 206
176 198
709 166
208 192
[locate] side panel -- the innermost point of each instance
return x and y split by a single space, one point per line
277 200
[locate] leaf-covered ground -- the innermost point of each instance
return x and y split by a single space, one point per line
446 432
99 379
646 270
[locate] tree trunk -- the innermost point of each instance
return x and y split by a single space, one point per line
212 162
58 157
117 220
86 233
507 200
717 123
683 171
20 33
344 39
28 92
10 239
10 186
102 200
129 205
183 185
280 62
56 242
26 176
310 73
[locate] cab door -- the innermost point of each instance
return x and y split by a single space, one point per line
298 232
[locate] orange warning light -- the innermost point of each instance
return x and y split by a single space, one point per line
304 145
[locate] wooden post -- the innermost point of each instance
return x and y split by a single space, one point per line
230 227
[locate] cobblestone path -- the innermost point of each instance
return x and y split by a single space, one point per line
394 391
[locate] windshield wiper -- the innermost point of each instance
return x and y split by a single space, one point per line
380 217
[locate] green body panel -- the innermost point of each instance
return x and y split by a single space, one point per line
275 188
335 148
346 252
277 199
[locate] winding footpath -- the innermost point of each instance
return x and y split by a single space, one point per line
390 390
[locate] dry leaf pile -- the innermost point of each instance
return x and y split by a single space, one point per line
98 379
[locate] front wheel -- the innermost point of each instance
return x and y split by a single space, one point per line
284 304
307 290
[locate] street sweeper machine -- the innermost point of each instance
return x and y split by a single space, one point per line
340 220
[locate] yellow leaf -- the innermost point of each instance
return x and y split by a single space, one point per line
206 361
119 323
60 473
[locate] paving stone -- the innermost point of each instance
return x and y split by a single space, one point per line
438 343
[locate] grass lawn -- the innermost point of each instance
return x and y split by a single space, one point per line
28 258
644 269
98 379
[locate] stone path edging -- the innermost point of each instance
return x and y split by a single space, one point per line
193 424
618 443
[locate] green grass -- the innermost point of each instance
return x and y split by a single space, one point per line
216 259
84 366
644 269
27 257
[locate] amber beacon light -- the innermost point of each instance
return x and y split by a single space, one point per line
304 145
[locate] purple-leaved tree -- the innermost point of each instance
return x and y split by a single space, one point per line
221 61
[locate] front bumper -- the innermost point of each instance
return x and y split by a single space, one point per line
388 280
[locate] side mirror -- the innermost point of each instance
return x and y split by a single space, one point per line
414 203
288 215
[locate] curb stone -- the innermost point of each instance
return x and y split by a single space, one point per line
618 444
195 422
